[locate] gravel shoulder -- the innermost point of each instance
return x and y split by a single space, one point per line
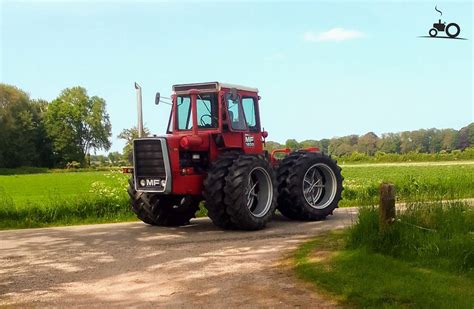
132 264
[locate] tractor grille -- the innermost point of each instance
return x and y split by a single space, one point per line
151 164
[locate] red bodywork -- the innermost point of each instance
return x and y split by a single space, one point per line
212 141
187 181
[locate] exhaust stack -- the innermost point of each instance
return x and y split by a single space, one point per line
139 106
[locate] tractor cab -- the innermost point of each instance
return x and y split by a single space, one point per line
206 120
227 114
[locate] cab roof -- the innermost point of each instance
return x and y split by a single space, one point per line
210 86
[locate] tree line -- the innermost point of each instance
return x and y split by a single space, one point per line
51 134
418 141
63 132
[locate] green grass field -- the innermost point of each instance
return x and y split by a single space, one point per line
50 199
424 260
413 181
44 199
41 188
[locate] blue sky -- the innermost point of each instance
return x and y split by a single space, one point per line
323 69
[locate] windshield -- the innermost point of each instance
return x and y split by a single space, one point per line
207 111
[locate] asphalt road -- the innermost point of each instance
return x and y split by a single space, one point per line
133 264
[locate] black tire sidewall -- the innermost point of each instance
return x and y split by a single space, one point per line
236 192
162 213
295 180
435 32
213 192
455 26
136 204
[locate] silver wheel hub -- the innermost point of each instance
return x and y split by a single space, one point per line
259 192
319 186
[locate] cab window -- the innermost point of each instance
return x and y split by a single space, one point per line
236 114
249 107
183 106
207 110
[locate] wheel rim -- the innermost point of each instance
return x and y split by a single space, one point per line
319 186
259 192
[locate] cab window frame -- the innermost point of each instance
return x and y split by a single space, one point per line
255 128
189 119
241 112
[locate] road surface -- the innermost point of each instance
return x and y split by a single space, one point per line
133 264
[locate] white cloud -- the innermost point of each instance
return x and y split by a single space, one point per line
334 34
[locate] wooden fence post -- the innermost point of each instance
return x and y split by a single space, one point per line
386 206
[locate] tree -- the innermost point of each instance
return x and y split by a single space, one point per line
292 144
115 157
343 145
466 136
389 143
406 142
22 137
325 145
270 146
77 123
368 143
129 135
310 143
449 139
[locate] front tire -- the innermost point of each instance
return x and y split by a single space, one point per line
250 192
433 32
162 210
313 188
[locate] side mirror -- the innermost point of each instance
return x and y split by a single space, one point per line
157 98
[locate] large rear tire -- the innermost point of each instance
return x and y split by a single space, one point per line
250 192
283 171
162 210
313 188
214 190
457 31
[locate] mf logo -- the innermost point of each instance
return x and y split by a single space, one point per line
149 182
249 141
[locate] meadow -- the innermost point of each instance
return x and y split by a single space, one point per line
49 199
64 198
421 181
425 259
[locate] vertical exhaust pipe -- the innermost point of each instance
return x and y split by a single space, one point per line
139 106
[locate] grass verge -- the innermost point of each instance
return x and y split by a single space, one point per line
70 211
424 261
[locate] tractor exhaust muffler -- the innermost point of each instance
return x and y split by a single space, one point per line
140 112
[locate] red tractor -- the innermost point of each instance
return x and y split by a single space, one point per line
214 152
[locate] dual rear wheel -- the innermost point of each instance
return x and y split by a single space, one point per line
310 186
240 192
